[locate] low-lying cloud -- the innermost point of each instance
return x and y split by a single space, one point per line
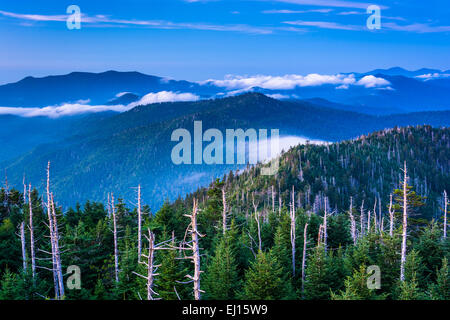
70 109
291 81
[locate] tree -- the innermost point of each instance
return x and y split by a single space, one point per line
316 283
356 288
407 200
221 278
266 280
441 289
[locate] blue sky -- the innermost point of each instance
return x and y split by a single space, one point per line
198 40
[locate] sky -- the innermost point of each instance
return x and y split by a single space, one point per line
198 40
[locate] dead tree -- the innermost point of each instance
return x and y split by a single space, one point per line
293 230
57 250
280 201
304 257
195 248
325 235
31 228
391 216
151 267
375 216
255 207
405 222
362 219
22 241
445 213
320 235
139 223
273 199
224 210
352 222
52 236
116 251
368 221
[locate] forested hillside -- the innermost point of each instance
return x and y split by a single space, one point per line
309 232
121 151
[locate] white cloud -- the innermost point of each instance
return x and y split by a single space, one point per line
68 109
285 82
372 82
325 25
107 21
279 96
416 27
331 3
430 76
297 11
164 96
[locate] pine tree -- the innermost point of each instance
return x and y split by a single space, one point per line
221 279
316 282
441 289
356 287
266 280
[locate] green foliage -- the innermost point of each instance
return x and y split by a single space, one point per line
266 280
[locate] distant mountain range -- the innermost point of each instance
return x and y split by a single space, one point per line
116 152
397 90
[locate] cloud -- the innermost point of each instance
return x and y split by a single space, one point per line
285 82
68 109
325 25
279 96
331 3
430 76
164 96
107 21
297 11
372 82
416 27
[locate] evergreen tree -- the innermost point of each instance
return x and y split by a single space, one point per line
266 280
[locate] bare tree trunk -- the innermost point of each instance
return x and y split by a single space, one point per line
368 221
22 240
280 202
52 236
224 211
352 222
255 207
445 213
405 223
325 235
150 257
195 251
116 251
139 224
320 235
375 215
391 217
304 257
362 219
57 252
151 267
293 231
273 199
33 255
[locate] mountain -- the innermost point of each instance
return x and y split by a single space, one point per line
397 71
402 94
96 88
119 152
365 168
